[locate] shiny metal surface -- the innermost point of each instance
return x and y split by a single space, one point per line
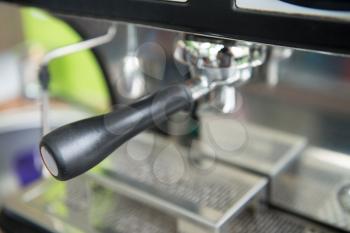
87 207
311 187
217 63
44 109
207 194
131 81
82 205
77 47
252 147
226 99
277 55
272 221
206 53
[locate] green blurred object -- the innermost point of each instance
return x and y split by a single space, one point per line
78 77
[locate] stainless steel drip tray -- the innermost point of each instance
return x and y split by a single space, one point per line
84 206
317 185
204 194
267 220
255 148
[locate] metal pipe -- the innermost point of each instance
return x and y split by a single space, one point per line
80 46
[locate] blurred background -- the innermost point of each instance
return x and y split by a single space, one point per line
298 92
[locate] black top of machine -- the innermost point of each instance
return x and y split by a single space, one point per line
271 22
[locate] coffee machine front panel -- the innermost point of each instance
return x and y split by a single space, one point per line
266 21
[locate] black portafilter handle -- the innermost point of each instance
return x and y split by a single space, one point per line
75 148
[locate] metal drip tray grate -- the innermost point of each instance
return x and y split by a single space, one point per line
255 148
203 193
212 191
271 221
130 216
312 186
84 206
87 207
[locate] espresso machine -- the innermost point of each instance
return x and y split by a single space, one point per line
227 116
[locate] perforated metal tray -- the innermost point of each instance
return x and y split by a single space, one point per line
312 187
272 221
252 147
160 174
88 207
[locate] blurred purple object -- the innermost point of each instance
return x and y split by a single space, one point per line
28 166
